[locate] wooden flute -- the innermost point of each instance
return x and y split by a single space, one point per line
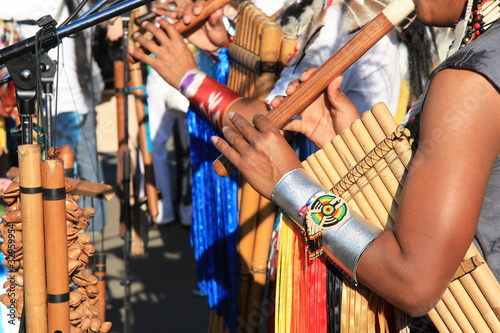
347 55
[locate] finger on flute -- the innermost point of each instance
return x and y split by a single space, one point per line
362 183
209 8
354 191
361 133
371 176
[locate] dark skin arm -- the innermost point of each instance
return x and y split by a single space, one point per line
442 197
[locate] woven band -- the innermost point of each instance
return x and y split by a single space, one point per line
207 95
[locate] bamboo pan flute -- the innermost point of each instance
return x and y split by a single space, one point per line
366 165
308 91
257 53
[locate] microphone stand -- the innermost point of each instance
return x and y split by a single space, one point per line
21 62
49 71
127 279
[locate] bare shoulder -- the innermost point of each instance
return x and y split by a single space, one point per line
465 105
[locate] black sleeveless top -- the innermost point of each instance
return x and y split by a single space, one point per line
483 56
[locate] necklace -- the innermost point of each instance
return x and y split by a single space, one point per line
474 23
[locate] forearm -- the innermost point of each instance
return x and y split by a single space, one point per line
215 100
361 250
328 225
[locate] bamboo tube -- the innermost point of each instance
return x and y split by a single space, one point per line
354 192
254 26
136 83
56 248
264 229
470 310
33 238
119 69
334 178
388 125
367 144
67 155
333 67
255 36
371 178
247 223
232 72
309 170
447 317
318 171
486 281
100 273
288 46
456 311
343 169
438 321
377 134
480 302
235 70
241 79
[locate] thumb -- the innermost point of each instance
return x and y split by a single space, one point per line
337 98
215 18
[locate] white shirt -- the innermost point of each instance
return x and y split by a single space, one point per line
69 95
375 77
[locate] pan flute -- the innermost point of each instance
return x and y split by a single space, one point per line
258 53
366 165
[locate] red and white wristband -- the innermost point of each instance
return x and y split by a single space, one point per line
210 97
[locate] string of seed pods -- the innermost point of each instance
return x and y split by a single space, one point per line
83 296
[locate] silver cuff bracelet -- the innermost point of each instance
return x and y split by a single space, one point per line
346 243
293 191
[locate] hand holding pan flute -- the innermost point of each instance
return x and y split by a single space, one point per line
324 118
